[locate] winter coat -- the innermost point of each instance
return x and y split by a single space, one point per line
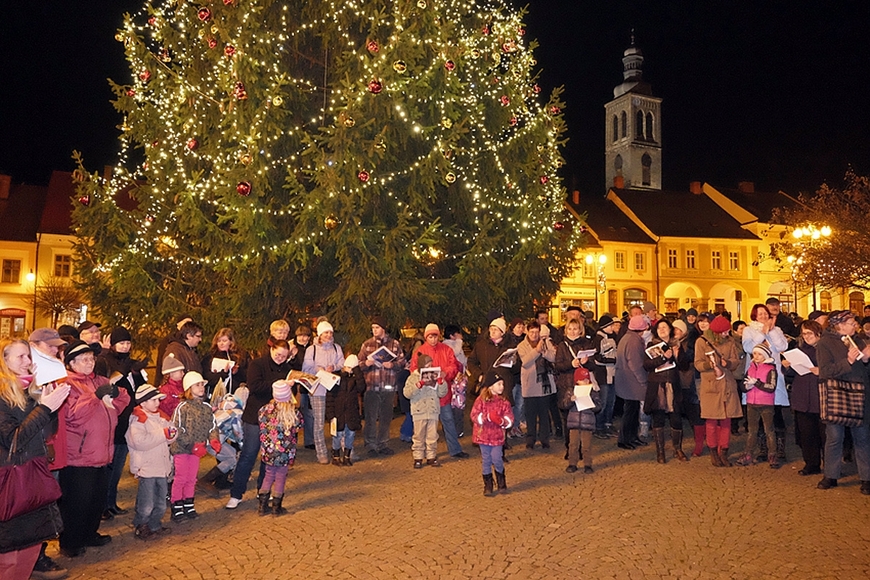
277 441
804 394
238 375
425 402
342 402
38 525
185 354
90 425
487 432
834 364
110 362
442 356
456 345
536 372
587 416
761 374
174 391
605 357
630 379
656 381
754 334
481 359
319 356
564 361
262 372
196 424
719 397
149 447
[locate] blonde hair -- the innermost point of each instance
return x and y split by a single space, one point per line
279 325
10 387
286 414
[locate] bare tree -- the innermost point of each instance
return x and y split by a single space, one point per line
55 297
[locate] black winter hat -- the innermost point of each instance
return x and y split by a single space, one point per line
119 334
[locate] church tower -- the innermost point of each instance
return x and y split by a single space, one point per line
633 129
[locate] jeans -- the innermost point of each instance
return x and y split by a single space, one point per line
608 400
247 458
449 428
519 405
537 422
116 469
406 431
630 418
307 417
491 456
186 468
226 458
379 413
834 450
150 502
346 436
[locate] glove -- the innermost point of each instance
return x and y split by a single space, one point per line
170 432
199 449
215 445
104 390
493 418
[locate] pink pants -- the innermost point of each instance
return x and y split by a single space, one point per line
186 468
18 564
718 433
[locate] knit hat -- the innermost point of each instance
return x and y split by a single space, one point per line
647 306
47 335
605 321
491 377
764 349
352 361
423 360
691 312
145 392
379 320
681 325
75 349
192 378
431 329
839 316
119 334
282 392
171 364
324 327
720 324
816 314
637 322
500 324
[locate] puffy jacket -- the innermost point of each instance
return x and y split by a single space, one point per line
174 391
486 431
90 425
149 448
764 373
424 401
442 356
196 424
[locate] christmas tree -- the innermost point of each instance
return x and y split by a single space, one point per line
343 158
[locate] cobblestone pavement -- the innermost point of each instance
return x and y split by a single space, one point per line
632 518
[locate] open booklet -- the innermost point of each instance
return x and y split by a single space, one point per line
220 365
303 379
429 377
659 349
45 368
381 356
506 359
583 397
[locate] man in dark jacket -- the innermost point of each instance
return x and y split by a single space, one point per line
782 320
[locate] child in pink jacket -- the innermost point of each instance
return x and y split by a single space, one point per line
760 386
491 415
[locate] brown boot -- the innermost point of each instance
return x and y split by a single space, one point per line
714 457
677 440
723 457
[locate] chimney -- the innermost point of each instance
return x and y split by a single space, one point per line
619 182
5 183
695 187
575 197
746 187
107 172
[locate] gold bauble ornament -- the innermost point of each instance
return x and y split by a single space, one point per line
331 222
446 123
450 177
400 66
349 122
277 101
245 158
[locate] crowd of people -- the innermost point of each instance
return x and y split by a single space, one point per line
78 404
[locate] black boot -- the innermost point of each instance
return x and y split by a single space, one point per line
780 445
347 460
487 485
277 508
500 481
206 483
336 457
211 476
190 509
263 508
178 511
677 440
762 447
223 482
659 436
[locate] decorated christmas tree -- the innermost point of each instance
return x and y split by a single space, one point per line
344 158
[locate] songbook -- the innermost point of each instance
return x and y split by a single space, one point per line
327 380
429 377
381 356
507 359
303 379
220 365
655 350
45 368
583 397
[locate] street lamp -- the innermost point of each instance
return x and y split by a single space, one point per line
600 277
804 237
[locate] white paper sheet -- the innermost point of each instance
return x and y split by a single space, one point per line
799 361
582 397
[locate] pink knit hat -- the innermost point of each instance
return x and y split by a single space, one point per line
281 391
637 322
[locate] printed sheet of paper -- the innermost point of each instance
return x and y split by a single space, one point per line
46 368
327 380
583 397
799 361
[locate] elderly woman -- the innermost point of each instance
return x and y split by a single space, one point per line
716 359
805 402
630 381
93 407
326 356
841 355
762 329
537 356
23 421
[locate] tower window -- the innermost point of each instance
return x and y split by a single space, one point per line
615 127
646 163
624 124
649 127
617 164
638 120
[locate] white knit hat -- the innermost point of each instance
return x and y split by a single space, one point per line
324 327
352 361
500 324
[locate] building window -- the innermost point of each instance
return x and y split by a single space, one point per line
638 130
690 259
12 322
589 270
825 300
62 265
633 297
716 260
719 305
624 122
672 305
672 258
615 128
619 260
11 271
646 163
856 302
649 127
734 261
638 261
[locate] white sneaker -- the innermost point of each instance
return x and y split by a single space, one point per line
233 503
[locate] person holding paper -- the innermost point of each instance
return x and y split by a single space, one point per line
324 356
425 408
342 406
537 356
580 402
663 392
381 387
225 363
805 401
630 381
571 355
760 384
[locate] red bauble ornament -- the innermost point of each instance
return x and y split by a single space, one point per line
131 93
514 121
204 14
521 31
536 88
372 46
544 179
192 144
450 65
151 21
240 92
558 226
227 2
244 188
85 200
212 43
485 30
145 76
229 50
555 110
375 86
363 176
505 100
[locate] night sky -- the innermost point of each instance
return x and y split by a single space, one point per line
763 91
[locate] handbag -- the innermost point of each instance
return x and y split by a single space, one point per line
457 391
25 487
842 402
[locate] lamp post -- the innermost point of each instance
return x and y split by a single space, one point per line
600 277
805 237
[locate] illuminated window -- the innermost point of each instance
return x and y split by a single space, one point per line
672 258
638 261
734 261
619 260
62 265
716 260
11 271
690 259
